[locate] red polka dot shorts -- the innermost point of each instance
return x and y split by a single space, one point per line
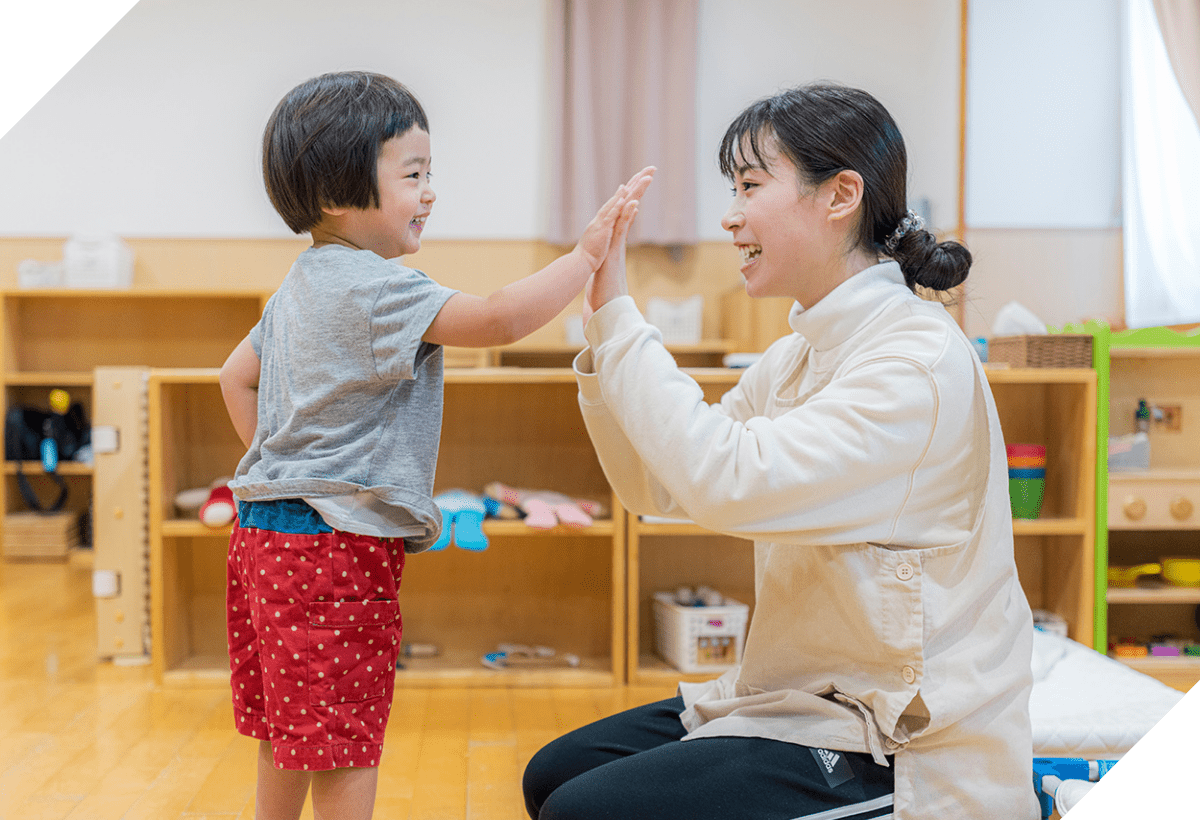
314 631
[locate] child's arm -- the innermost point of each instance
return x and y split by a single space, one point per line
239 387
518 309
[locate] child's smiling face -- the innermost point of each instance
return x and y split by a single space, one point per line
405 200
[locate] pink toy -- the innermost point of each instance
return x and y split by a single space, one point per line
545 509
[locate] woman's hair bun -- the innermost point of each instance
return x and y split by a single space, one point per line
932 264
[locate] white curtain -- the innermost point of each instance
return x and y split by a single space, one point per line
1161 176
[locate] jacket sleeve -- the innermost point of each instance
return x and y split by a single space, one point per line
837 468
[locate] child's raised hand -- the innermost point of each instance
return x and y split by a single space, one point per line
597 237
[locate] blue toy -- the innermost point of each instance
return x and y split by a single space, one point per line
462 519
1052 773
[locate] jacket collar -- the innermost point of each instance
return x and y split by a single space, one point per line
850 306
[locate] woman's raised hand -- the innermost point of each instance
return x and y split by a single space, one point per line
598 236
609 281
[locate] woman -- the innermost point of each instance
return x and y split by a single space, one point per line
886 671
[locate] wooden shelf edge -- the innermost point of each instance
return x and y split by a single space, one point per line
508 678
1050 526
34 468
654 670
192 528
565 375
130 293
1039 375
210 671
1155 595
48 378
1119 477
1117 352
186 375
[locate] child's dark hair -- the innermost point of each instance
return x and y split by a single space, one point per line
824 129
322 142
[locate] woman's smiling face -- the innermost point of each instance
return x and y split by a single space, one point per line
791 234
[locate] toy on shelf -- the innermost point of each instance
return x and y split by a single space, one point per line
515 654
214 505
546 509
462 520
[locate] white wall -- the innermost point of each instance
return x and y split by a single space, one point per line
156 131
1044 115
905 54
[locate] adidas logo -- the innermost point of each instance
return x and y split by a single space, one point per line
829 758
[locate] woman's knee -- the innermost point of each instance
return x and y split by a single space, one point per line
549 768
573 800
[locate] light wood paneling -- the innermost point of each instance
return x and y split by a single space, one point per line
254 266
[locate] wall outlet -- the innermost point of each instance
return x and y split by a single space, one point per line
1169 418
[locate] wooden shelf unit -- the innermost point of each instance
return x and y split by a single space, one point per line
1055 553
1137 519
560 587
57 337
584 592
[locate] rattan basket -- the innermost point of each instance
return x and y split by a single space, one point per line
1049 350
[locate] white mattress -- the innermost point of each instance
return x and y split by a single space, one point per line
1085 704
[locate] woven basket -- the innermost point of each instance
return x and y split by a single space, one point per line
1051 350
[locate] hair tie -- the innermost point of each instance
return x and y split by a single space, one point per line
910 223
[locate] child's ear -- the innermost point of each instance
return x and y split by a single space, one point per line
845 192
330 210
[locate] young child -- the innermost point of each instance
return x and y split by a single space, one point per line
337 394
886 670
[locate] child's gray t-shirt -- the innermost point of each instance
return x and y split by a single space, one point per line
349 396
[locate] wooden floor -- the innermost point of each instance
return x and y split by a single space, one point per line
88 740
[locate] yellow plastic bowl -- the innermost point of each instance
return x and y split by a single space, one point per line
1127 576
1182 572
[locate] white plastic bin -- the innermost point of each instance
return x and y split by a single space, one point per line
97 261
699 638
678 320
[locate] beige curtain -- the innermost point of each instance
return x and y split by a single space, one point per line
1179 21
623 80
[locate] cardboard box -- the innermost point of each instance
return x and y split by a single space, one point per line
37 536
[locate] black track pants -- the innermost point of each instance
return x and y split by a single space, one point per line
633 766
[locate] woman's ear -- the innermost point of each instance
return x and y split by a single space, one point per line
845 192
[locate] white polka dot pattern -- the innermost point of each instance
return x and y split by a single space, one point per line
338 649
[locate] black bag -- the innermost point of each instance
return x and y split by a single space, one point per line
25 428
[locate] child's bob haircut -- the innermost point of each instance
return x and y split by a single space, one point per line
321 144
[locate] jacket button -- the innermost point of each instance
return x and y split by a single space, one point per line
909 674
905 571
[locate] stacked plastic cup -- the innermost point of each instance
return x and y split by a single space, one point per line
1026 478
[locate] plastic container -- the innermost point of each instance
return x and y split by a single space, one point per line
1125 577
1025 495
699 638
1181 572
678 320
1129 452
100 261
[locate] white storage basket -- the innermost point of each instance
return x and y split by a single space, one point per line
699 638
97 261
